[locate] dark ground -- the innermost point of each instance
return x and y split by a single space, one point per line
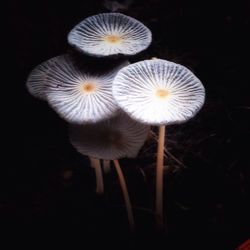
52 188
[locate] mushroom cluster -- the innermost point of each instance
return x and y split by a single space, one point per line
110 111
82 95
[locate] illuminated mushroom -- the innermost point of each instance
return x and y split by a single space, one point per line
111 139
158 92
109 34
56 81
36 82
79 96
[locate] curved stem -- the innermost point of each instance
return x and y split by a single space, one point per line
125 195
95 163
159 178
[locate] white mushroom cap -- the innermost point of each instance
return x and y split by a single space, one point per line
111 139
78 96
36 82
110 34
158 92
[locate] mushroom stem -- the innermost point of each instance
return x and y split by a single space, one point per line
125 195
106 166
95 163
159 178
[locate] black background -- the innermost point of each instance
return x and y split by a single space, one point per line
51 187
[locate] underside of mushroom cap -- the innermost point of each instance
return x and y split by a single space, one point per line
111 139
36 82
79 96
158 92
110 34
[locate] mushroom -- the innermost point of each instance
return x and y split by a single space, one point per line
79 96
109 34
158 92
36 82
111 139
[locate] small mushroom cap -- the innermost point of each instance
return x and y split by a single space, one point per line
78 96
158 92
36 82
109 34
111 139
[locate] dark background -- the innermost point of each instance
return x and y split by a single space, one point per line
51 187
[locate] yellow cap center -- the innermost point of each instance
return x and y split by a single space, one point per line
113 39
88 87
162 93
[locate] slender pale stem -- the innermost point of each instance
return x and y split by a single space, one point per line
167 152
106 166
95 163
159 178
125 195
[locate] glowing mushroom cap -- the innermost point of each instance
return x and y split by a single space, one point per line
110 34
158 92
78 96
36 82
111 139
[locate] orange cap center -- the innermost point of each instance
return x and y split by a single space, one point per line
162 93
88 87
113 39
